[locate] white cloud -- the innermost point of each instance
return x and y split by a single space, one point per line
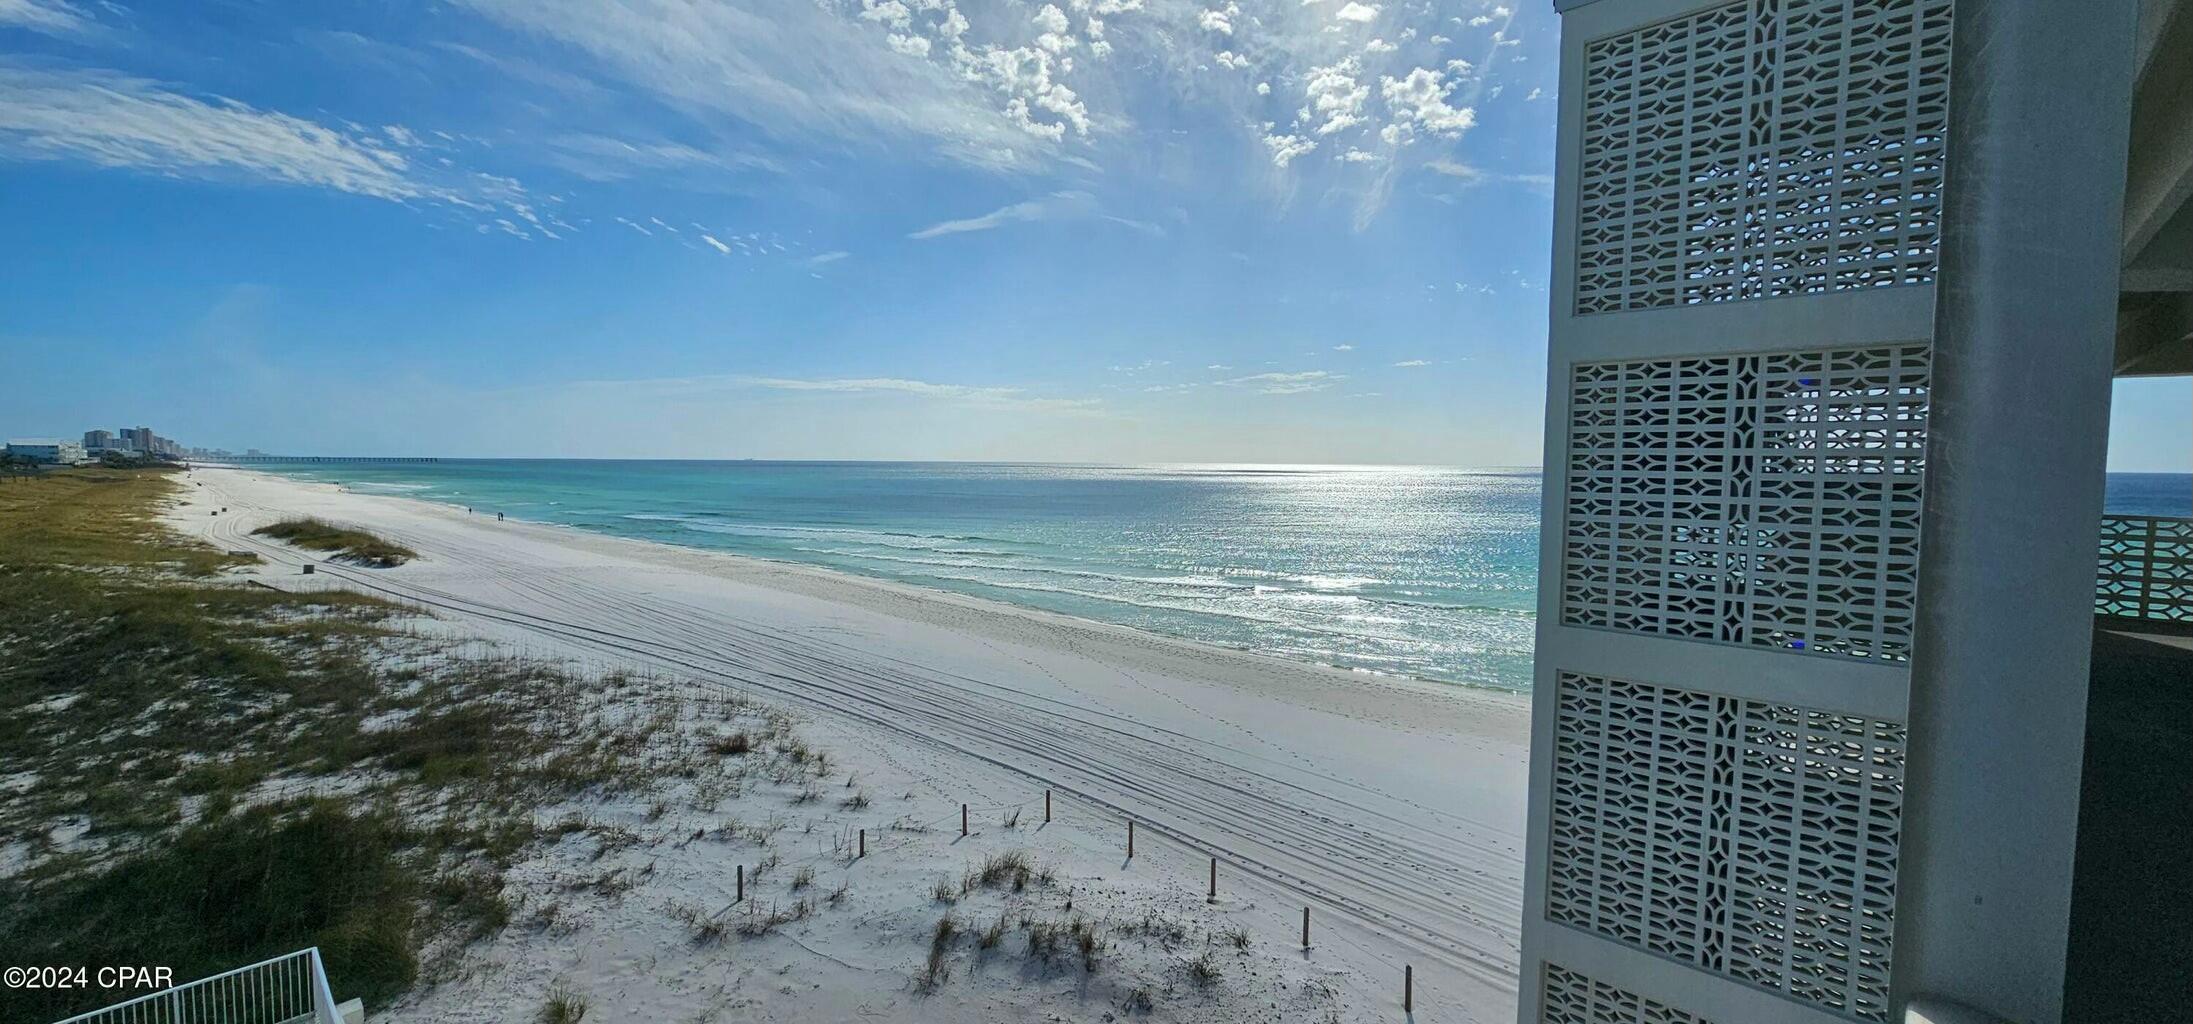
1287 383
52 17
716 245
1419 100
1357 12
1414 362
634 226
1287 147
1335 96
890 13
822 258
1219 21
1343 347
1052 23
1379 46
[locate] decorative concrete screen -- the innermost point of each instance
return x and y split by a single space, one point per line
1572 998
1748 206
2146 569
1768 500
1754 839
1762 148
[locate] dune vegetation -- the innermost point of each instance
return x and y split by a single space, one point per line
200 773
355 546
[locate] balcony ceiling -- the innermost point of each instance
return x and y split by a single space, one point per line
2155 312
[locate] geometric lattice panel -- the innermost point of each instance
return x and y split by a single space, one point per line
1754 840
1571 998
2146 569
1762 148
1768 500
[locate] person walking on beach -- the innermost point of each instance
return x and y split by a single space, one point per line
498 517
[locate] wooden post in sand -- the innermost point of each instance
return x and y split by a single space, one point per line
1214 882
1305 928
1130 839
963 820
741 897
1046 806
1408 988
863 843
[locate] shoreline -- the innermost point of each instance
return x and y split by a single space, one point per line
839 582
1411 617
1394 805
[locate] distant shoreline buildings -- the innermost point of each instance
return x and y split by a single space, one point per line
130 442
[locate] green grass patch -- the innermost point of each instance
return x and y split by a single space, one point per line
157 724
349 545
255 885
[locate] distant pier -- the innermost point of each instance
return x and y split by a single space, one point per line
240 459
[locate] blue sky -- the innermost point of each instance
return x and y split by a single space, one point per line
1111 230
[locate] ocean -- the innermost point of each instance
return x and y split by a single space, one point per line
1418 571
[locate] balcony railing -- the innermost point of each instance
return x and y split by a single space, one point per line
289 989
2146 569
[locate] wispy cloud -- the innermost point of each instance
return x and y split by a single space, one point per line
1470 175
1065 205
52 17
1343 347
605 158
716 386
981 395
805 71
1287 383
716 245
119 121
823 258
1414 362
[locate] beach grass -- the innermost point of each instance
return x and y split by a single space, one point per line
173 740
355 546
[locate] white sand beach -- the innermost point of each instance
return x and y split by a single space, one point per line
1391 807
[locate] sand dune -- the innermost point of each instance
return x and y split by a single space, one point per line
1393 807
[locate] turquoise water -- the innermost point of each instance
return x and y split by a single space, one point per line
1417 571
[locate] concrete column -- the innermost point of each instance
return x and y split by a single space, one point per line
2040 104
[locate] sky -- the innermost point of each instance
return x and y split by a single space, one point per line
1082 230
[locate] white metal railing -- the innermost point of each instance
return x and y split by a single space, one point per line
288 989
2146 569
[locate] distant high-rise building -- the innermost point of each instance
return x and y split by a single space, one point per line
95 439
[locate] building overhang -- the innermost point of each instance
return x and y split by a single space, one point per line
2155 311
